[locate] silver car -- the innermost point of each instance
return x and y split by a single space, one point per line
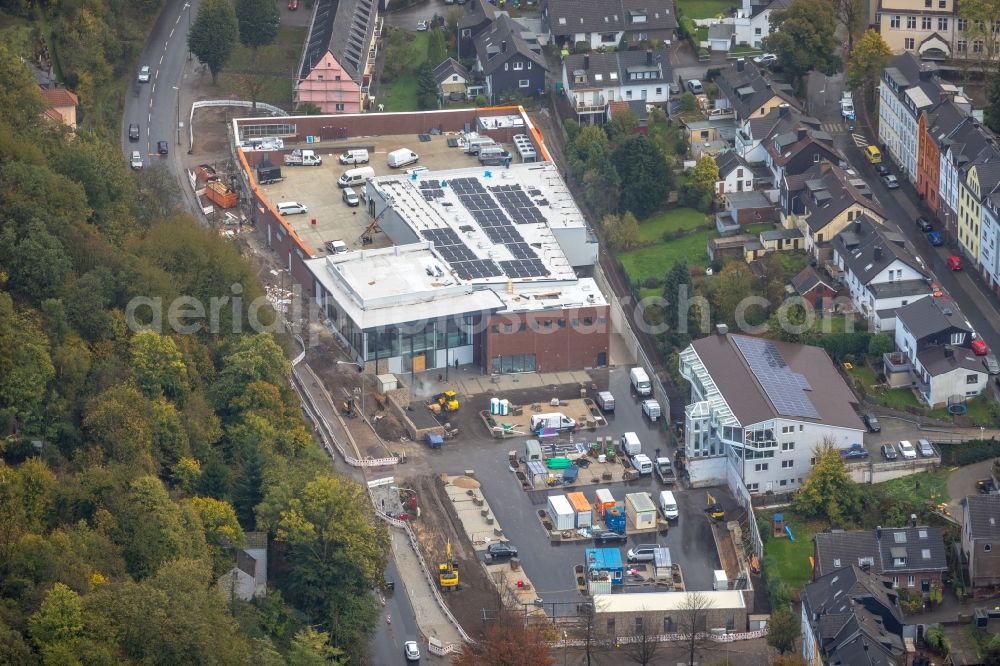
992 367
925 448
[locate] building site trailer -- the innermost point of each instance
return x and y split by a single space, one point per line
582 508
640 510
561 512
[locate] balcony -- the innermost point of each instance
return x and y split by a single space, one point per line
592 104
896 362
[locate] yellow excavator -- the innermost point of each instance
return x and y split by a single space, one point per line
448 401
448 573
714 511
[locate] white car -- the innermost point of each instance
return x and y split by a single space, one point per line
411 651
907 451
136 161
144 74
422 26
766 59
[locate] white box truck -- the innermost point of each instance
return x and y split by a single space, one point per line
640 381
561 513
651 408
401 157
630 444
554 420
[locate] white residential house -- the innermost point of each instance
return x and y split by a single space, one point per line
752 136
934 341
752 21
605 25
760 408
989 243
734 173
247 580
592 80
880 272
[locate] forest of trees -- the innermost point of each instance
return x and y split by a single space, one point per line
132 463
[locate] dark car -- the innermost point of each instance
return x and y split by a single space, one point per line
888 451
924 225
606 537
162 147
871 422
133 132
855 451
935 239
881 170
499 551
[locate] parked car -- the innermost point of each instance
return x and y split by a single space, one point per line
925 448
694 85
291 208
979 347
607 536
992 367
935 239
766 59
907 451
643 553
292 6
162 147
987 486
871 422
136 160
422 26
410 649
888 451
954 262
924 225
499 551
350 197
856 450
882 170
144 74
890 182
133 132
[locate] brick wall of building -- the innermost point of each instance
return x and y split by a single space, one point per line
580 341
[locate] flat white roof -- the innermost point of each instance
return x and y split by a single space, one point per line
637 602
490 210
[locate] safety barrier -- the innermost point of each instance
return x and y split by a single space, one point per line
666 638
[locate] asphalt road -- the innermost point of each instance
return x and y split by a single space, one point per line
155 105
549 566
386 646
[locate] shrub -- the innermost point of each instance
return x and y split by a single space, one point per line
652 282
936 641
966 453
778 592
712 73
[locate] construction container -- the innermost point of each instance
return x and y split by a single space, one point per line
220 195
604 500
584 515
605 561
205 173
640 510
662 565
561 513
614 519
719 580
532 450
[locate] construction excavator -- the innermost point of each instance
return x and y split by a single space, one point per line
714 511
448 401
448 573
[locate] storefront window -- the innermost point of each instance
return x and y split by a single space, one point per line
514 363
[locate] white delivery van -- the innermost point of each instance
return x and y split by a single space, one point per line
606 401
630 444
402 157
651 409
642 463
640 381
355 156
353 177
554 420
668 506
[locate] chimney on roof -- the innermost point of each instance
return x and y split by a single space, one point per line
649 56
913 520
784 110
926 74
503 46
946 95
721 329
878 532
857 226
877 252
802 133
948 351
586 60
740 62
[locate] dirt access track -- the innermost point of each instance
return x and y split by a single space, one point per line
438 524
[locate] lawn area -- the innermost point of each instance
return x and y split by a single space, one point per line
919 488
656 260
982 412
900 399
757 228
279 59
701 9
401 94
788 559
652 229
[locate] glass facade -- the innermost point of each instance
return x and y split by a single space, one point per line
409 340
513 363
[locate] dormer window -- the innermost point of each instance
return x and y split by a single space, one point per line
562 20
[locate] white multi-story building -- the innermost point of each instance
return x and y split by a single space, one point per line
989 243
907 88
763 407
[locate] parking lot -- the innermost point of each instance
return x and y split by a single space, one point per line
550 565
328 217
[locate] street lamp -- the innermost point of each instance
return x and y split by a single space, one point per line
177 121
187 8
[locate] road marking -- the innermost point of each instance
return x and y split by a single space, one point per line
161 59
859 140
833 127
171 34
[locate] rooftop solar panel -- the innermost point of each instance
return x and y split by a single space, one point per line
784 388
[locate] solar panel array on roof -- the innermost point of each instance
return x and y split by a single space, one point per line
784 388
517 204
431 189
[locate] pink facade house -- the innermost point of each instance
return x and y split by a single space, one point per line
339 61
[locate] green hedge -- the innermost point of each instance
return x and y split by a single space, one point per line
966 453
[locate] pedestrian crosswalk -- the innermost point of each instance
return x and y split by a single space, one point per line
859 140
832 128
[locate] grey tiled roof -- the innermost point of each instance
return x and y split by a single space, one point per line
923 547
609 16
928 316
842 194
808 279
939 360
490 44
448 67
746 88
619 64
728 162
345 28
780 120
983 514
867 248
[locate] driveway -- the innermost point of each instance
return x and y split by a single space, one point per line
962 482
422 11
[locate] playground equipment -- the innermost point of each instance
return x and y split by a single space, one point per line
778 525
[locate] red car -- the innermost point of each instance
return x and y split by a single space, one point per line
955 263
979 348
293 5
